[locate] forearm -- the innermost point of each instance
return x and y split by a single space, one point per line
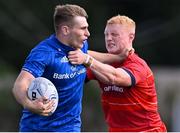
20 88
105 73
20 94
105 57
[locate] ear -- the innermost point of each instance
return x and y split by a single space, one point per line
65 29
131 37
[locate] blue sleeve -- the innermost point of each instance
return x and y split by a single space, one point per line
36 62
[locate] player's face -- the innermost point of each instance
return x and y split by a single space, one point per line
79 32
116 38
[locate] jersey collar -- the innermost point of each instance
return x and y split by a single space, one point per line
59 45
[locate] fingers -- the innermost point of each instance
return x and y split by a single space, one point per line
76 57
43 106
73 58
48 108
75 52
49 105
72 53
131 51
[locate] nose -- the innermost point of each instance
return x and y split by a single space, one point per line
108 37
87 33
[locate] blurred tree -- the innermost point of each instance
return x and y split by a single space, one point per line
24 23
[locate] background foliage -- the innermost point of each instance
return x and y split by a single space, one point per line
25 23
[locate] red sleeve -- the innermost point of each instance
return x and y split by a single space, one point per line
139 69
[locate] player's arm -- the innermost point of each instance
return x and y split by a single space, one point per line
20 88
20 93
110 75
110 58
77 57
103 72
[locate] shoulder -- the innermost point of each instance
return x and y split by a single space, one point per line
43 46
43 51
136 60
49 44
137 66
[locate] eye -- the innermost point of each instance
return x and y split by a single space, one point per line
114 34
84 28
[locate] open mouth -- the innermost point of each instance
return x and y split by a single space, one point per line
110 45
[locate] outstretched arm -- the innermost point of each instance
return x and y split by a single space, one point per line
110 58
104 72
110 75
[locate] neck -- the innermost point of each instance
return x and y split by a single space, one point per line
62 39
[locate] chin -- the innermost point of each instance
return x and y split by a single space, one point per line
80 47
112 52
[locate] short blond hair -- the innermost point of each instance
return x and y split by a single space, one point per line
123 20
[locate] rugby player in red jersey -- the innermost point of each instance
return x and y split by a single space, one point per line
129 97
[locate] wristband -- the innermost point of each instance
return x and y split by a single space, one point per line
89 61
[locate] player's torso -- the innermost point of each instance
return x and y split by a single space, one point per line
132 107
62 73
68 79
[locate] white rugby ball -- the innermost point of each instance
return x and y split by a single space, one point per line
40 87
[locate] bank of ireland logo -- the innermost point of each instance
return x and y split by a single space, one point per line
64 59
73 68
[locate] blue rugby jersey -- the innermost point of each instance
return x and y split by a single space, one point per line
49 59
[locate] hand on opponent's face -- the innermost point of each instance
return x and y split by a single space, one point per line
125 53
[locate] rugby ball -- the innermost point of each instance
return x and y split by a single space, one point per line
40 87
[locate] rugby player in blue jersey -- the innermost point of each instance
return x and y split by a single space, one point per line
49 59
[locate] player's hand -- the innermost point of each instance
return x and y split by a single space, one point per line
125 53
41 106
77 57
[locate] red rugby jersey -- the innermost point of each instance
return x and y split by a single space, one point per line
132 109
